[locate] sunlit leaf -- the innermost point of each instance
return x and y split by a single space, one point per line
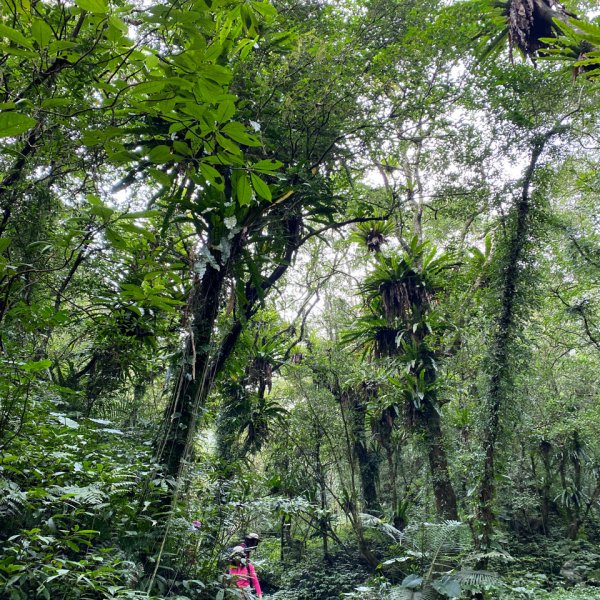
13 123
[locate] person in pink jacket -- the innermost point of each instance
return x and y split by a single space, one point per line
243 574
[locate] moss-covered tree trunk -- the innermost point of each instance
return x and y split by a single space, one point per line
193 381
366 457
443 490
428 423
500 346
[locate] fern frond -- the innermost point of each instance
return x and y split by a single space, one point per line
400 593
373 522
476 578
89 495
493 554
12 498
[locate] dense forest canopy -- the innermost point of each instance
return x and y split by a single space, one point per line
325 271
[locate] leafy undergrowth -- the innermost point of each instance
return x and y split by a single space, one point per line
500 591
577 593
311 578
544 569
78 510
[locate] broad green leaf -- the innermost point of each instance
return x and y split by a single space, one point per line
54 102
14 51
36 366
208 89
93 6
267 166
23 7
488 244
194 110
133 228
225 111
141 214
245 47
149 87
15 36
134 309
94 200
266 9
213 51
57 45
13 123
104 212
228 145
447 586
248 18
41 32
260 187
151 61
161 154
121 157
227 158
412 582
181 148
116 239
160 177
212 176
477 253
224 31
131 290
243 190
118 24
236 131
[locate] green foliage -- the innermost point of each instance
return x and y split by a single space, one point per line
578 593
400 297
372 234
165 171
314 579
543 28
68 518
579 45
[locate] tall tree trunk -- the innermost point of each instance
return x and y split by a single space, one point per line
577 500
323 520
547 479
199 365
193 384
499 355
443 490
367 459
427 421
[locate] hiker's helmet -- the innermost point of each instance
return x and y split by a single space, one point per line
251 540
237 553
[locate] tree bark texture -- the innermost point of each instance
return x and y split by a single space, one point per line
200 366
367 459
323 521
192 385
429 424
443 490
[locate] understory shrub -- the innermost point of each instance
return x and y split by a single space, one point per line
313 579
78 510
